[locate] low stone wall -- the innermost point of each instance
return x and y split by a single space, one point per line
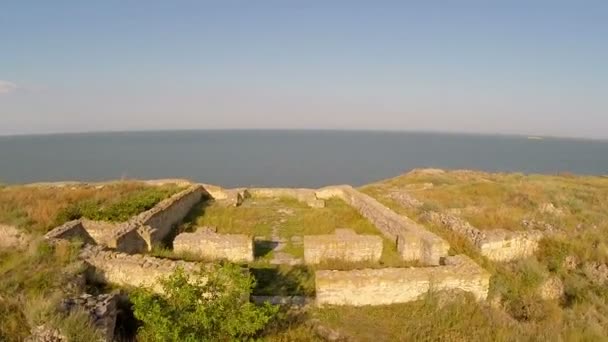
101 231
414 241
123 269
307 196
400 285
102 310
344 245
169 212
227 197
11 237
70 230
210 245
503 245
150 227
497 244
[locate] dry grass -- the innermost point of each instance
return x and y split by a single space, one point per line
491 201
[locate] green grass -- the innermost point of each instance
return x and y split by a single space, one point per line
37 209
491 201
32 282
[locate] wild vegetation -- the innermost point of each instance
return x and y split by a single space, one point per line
38 209
212 303
31 284
560 293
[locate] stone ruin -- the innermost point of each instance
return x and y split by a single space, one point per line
496 244
414 242
209 245
112 250
102 310
343 245
399 285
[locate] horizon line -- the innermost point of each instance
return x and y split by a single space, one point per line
396 131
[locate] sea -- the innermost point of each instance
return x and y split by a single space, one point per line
284 158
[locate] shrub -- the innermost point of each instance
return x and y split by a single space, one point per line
212 305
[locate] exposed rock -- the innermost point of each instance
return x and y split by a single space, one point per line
404 199
419 186
455 224
101 309
429 171
570 262
12 237
540 225
552 288
550 209
596 272
327 333
43 333
285 211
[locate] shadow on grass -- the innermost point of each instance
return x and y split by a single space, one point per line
283 280
188 224
262 248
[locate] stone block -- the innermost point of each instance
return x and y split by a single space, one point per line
400 285
210 245
343 245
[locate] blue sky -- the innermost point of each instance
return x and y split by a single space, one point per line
524 67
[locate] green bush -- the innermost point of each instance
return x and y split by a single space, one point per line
211 305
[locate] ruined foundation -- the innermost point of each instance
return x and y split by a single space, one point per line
400 285
210 245
307 196
414 241
497 244
344 245
109 267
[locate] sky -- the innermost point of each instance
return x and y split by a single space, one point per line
508 67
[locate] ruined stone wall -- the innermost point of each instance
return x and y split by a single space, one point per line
212 246
70 230
344 245
227 197
102 310
502 245
169 212
413 240
496 244
307 196
123 269
101 231
400 285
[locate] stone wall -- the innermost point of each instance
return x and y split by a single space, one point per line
227 197
169 212
110 267
102 310
70 230
210 245
344 245
307 196
101 231
413 240
503 245
400 285
497 244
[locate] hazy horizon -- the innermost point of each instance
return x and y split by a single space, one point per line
516 68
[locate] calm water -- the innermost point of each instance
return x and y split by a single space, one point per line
283 158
